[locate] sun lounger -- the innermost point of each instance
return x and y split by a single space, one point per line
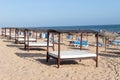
116 42
99 44
37 44
16 37
68 36
30 39
72 54
22 40
43 35
7 34
19 36
77 43
53 41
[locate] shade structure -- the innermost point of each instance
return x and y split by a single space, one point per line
62 55
109 35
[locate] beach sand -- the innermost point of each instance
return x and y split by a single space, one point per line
18 64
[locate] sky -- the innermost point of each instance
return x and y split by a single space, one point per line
39 13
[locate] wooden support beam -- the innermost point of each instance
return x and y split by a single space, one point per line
47 57
58 60
81 41
97 49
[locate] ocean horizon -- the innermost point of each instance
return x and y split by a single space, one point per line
111 28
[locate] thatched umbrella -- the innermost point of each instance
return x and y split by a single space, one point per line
109 36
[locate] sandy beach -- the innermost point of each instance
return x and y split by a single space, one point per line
18 64
60 40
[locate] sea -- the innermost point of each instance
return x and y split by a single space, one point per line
111 28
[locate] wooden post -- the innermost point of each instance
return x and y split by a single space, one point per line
81 42
25 39
15 35
47 57
62 37
5 32
97 50
105 43
72 36
36 36
58 60
87 37
10 33
2 31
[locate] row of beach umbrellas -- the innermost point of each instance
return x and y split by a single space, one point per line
109 35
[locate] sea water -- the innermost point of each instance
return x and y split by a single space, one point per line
111 28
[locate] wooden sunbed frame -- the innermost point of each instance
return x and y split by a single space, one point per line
25 36
79 31
28 46
5 32
59 38
9 33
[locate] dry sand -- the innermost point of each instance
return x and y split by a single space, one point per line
18 64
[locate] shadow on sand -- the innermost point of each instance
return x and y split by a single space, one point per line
53 62
14 45
41 58
113 49
77 48
9 41
24 55
110 54
31 49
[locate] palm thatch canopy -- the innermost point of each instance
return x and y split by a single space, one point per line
108 35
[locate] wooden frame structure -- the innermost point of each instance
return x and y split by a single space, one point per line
29 44
4 32
10 33
59 32
23 39
17 35
9 30
58 56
